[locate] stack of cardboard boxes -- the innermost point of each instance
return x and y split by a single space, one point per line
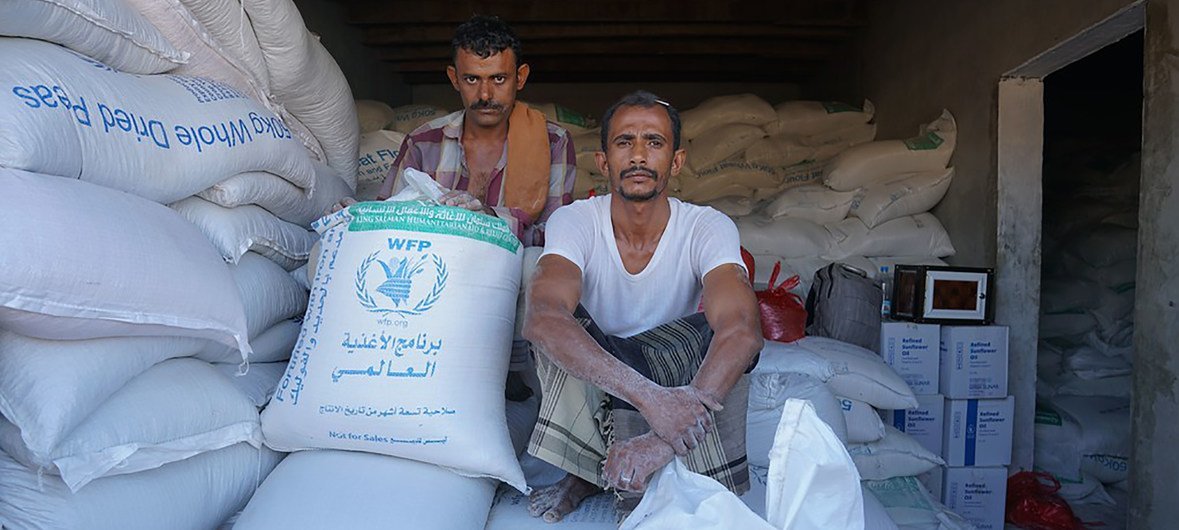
959 374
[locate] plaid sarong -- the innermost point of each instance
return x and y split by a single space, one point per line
578 421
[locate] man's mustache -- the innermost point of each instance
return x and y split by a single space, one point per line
638 169
486 104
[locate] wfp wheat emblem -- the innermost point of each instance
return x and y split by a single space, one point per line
405 285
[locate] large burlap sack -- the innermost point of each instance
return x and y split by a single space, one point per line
110 32
160 137
378 151
235 231
380 366
713 112
716 181
782 150
785 236
585 144
905 194
406 118
82 261
196 493
573 121
720 143
308 82
912 235
735 206
279 197
807 118
211 60
349 484
373 116
867 164
174 410
814 202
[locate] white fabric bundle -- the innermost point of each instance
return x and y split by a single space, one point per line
278 196
110 32
813 202
158 276
905 194
235 231
739 108
808 118
866 164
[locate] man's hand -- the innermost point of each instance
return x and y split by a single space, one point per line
463 200
629 463
679 415
344 203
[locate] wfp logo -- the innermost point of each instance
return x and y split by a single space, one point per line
402 283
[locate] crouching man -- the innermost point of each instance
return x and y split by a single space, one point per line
631 374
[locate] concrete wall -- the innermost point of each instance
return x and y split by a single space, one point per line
916 57
366 74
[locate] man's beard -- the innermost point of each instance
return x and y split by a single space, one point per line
638 197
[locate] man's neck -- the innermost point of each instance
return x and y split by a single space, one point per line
639 224
476 133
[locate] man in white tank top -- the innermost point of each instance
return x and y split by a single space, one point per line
614 267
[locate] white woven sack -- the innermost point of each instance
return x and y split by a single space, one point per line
895 455
842 138
307 82
857 373
226 22
372 115
378 151
807 118
348 485
407 118
910 505
279 197
785 236
161 137
274 344
768 393
778 151
720 143
258 383
110 32
739 108
912 235
269 294
158 276
677 497
813 202
176 409
866 164
863 422
199 492
905 194
380 366
210 59
235 231
735 206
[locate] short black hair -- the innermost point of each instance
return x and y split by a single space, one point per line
646 100
486 35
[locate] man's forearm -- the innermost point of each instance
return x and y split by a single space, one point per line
729 356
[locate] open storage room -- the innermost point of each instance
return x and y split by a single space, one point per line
957 220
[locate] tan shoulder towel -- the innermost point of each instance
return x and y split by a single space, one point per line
526 182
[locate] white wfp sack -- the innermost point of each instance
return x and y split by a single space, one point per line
235 231
269 294
108 31
308 82
739 108
161 137
814 202
274 344
678 498
378 151
768 393
407 118
808 118
786 237
857 373
193 494
372 115
863 422
156 274
720 143
381 366
361 491
912 235
906 194
279 197
866 164
176 409
258 383
895 455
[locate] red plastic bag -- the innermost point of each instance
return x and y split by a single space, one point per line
783 313
1032 503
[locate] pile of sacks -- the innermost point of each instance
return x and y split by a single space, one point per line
1086 345
170 158
383 128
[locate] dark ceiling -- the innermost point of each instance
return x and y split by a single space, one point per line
623 40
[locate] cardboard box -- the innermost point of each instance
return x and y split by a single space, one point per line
978 432
913 351
978 494
925 423
973 362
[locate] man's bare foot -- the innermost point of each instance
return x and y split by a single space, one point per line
556 501
630 463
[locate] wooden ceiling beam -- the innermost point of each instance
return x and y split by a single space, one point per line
530 33
630 47
630 64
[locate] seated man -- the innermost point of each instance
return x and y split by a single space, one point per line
638 264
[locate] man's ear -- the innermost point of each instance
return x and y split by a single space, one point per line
677 161
600 159
522 75
453 75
